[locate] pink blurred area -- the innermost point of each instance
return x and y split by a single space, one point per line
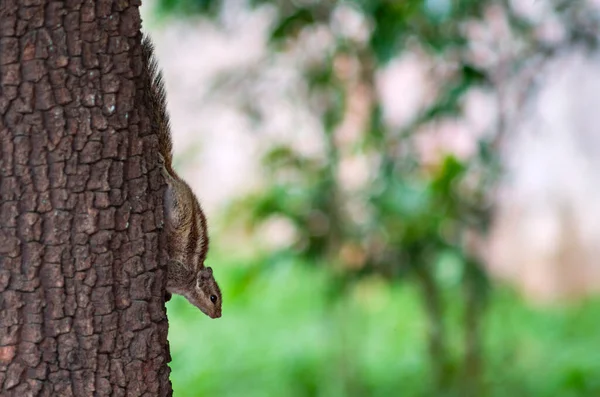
546 234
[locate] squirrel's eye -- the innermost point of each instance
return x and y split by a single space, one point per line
213 298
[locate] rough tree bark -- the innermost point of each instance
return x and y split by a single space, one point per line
81 253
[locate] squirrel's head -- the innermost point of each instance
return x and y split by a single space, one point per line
207 295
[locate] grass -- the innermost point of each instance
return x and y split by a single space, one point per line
280 335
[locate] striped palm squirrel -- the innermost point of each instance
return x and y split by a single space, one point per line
185 222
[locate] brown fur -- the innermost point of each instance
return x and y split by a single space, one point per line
185 222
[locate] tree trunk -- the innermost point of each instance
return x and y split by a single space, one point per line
475 290
438 351
81 276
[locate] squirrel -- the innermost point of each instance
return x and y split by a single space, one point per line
185 222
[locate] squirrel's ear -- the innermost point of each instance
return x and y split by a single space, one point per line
204 274
209 270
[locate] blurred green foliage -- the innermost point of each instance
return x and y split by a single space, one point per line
391 302
277 339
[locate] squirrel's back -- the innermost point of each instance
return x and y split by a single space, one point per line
188 242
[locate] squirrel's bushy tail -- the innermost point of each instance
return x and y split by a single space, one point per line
157 102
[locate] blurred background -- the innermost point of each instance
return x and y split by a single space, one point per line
402 194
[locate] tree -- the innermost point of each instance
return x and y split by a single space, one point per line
81 254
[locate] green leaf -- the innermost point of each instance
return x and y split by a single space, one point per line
388 34
443 183
292 24
186 7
